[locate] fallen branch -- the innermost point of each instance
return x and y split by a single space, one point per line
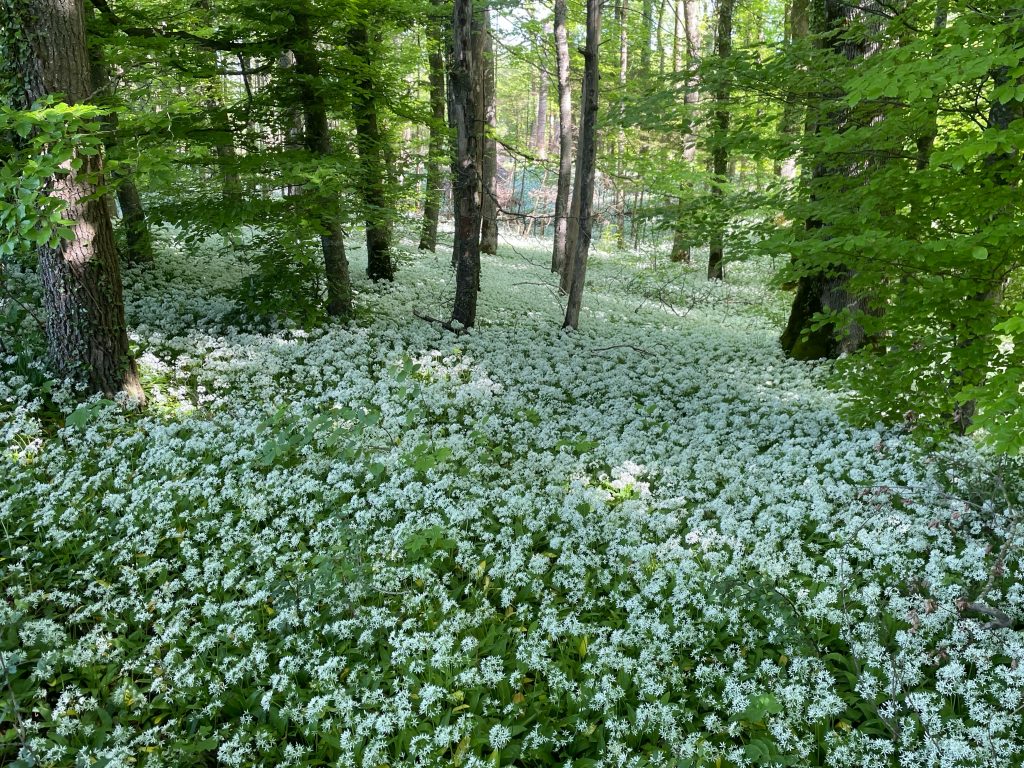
446 324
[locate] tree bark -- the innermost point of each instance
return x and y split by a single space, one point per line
488 143
587 162
81 279
432 194
540 134
622 14
564 138
462 110
720 150
372 149
317 139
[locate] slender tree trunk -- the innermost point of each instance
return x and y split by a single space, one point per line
293 128
926 141
432 195
720 150
564 138
462 110
792 117
622 14
572 234
691 97
81 279
647 29
138 240
488 143
587 161
318 142
371 145
540 139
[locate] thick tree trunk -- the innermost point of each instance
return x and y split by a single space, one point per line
692 19
317 139
372 149
720 150
564 138
293 130
81 280
587 162
827 291
488 143
433 192
462 110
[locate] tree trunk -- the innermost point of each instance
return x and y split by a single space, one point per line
81 280
826 292
488 143
720 150
587 162
647 28
789 125
318 142
293 128
692 19
622 14
138 241
564 138
462 110
540 138
432 195
372 149
926 141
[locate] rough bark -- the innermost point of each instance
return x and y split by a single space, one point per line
81 280
372 150
488 143
462 110
720 149
564 138
435 147
691 19
587 162
317 139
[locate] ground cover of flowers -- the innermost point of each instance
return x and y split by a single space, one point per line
652 542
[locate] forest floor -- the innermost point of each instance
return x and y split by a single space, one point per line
650 542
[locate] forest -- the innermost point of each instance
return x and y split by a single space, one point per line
479 383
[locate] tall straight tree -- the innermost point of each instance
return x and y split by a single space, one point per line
317 138
564 137
488 142
462 111
720 135
371 144
435 146
81 279
691 97
587 162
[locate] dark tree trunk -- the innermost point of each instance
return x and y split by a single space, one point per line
82 294
572 234
587 162
827 291
691 19
462 110
432 195
720 150
622 14
293 127
564 138
488 144
138 241
317 139
926 141
372 149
